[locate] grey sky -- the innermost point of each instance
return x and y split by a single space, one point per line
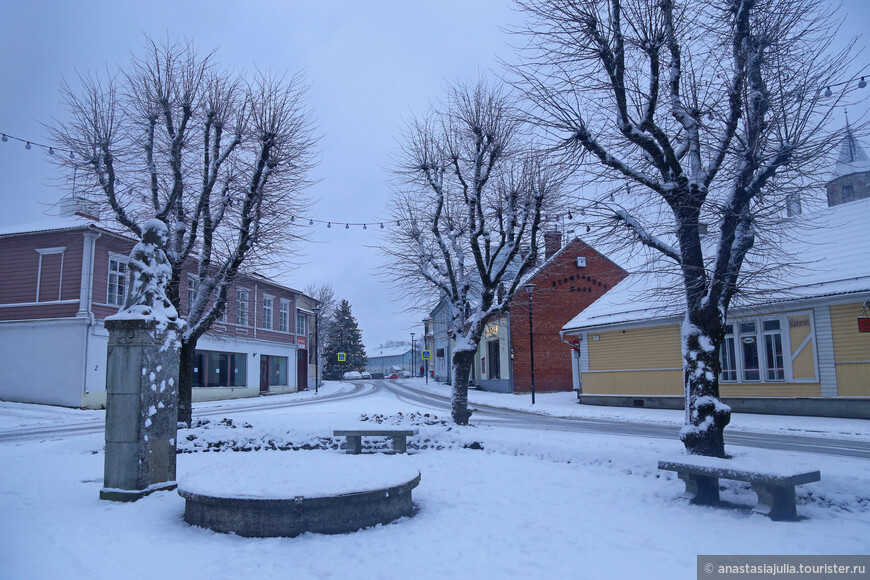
370 65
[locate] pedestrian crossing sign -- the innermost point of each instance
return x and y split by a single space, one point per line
426 355
342 356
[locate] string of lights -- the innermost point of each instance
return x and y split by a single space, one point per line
52 150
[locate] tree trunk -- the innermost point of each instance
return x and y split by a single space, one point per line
185 381
706 415
462 361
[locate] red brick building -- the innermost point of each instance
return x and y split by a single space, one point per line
571 278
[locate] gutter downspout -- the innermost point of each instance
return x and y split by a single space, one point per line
86 290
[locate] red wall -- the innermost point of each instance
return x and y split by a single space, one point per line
562 291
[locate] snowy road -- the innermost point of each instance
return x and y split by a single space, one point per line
426 400
523 420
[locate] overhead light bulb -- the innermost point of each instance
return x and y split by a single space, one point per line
50 151
861 84
828 92
310 222
365 227
28 147
382 226
347 226
5 138
329 225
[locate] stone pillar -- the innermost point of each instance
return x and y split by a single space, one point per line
141 411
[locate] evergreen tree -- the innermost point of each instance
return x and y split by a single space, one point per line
345 338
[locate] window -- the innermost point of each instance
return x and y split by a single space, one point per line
267 312
757 352
284 316
242 306
749 344
729 357
192 288
49 279
278 370
848 192
117 293
773 360
219 369
301 320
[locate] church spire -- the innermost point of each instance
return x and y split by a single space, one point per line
852 158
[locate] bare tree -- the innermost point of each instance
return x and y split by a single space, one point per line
468 209
713 113
326 300
221 159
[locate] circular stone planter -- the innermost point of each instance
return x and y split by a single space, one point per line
278 494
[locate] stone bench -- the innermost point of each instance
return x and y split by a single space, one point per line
775 488
354 438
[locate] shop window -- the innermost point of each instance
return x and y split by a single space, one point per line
219 369
754 350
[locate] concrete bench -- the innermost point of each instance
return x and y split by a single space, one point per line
354 438
775 488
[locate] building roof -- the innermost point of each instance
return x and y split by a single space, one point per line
58 224
834 253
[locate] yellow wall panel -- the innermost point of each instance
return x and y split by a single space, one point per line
770 390
849 344
803 366
634 383
853 380
654 347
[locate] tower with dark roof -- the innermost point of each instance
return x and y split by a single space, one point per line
852 172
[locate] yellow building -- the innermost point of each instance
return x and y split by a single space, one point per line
795 348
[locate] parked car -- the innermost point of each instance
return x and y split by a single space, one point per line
392 376
366 375
352 376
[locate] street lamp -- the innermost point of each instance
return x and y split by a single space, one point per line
530 288
413 361
317 311
427 346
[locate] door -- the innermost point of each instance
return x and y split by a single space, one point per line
494 362
264 373
301 369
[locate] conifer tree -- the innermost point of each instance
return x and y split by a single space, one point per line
346 338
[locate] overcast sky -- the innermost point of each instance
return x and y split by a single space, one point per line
371 65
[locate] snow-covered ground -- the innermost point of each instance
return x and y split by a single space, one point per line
527 505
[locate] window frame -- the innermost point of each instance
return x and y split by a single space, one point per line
268 322
284 315
761 338
120 259
243 306
301 317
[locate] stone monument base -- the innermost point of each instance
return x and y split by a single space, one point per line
285 494
132 495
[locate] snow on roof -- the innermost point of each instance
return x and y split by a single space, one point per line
62 224
832 247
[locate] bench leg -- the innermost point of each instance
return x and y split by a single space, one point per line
354 444
701 489
399 443
776 501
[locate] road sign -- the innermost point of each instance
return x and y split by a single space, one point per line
342 356
426 354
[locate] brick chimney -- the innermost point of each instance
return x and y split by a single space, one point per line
552 243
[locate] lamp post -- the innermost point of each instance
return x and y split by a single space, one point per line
317 311
530 288
413 362
427 346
